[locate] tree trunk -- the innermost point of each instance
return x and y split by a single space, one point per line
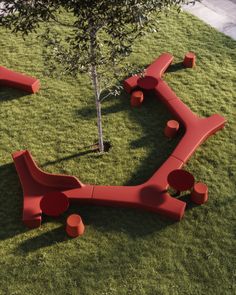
98 107
96 87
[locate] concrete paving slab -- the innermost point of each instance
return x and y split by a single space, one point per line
220 14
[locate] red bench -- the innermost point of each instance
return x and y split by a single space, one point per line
152 195
13 79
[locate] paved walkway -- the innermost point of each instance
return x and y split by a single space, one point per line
220 14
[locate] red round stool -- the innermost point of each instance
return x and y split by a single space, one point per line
54 204
189 60
136 98
171 128
74 226
199 194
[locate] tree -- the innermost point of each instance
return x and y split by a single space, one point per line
99 34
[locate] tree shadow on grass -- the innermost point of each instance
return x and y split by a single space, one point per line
89 112
7 93
83 152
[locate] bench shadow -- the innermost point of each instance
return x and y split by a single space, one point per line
132 222
159 147
187 199
7 93
11 203
175 67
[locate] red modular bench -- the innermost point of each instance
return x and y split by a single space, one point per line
151 195
12 79
36 184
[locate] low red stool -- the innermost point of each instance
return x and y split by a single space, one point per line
54 204
74 226
199 194
136 98
189 60
171 128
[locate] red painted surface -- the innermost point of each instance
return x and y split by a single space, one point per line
136 98
130 83
155 70
199 193
189 60
54 203
74 226
147 82
180 180
171 129
151 195
13 79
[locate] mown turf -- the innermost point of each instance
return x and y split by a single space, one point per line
123 251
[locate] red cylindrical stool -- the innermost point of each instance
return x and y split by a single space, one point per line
136 98
171 128
199 194
189 60
74 226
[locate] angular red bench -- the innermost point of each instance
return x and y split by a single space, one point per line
151 195
16 80
197 130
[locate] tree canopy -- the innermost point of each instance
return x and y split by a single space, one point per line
98 33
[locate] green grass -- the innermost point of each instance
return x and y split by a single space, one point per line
123 251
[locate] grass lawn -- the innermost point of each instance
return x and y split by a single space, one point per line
123 251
